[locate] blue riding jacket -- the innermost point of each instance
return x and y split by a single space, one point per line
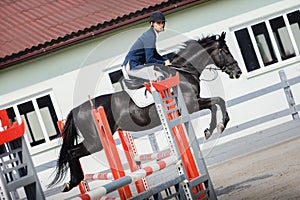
143 51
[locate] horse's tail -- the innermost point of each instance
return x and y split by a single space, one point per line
70 135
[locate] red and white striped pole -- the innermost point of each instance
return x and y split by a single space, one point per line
128 179
98 176
153 156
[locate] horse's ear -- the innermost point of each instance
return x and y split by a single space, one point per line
223 34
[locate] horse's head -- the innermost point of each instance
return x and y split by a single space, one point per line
197 54
223 58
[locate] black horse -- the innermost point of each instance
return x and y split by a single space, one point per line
123 114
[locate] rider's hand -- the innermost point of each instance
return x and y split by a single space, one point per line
167 63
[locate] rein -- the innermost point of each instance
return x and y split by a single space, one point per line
214 70
179 68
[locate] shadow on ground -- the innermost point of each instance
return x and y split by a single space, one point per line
241 185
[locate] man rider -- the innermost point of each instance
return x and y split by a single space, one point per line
143 59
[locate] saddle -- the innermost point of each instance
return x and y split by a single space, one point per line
137 91
135 87
133 83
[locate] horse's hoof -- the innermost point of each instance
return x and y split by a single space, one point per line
207 134
220 127
66 187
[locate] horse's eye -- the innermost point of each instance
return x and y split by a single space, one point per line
226 50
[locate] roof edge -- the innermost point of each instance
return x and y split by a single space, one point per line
83 35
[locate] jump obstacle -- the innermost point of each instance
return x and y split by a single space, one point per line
17 169
193 181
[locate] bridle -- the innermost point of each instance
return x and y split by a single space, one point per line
224 66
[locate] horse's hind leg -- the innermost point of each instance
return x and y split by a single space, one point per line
76 173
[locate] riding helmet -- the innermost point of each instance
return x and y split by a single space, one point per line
157 17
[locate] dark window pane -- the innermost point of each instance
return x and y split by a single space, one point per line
115 78
25 107
282 38
11 114
7 117
294 19
264 43
247 49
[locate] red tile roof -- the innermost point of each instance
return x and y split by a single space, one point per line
31 27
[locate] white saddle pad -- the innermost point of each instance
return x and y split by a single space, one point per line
140 97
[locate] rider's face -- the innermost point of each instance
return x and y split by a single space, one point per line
158 26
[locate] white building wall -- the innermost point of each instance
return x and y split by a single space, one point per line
73 73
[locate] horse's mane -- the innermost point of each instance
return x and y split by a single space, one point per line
204 42
188 49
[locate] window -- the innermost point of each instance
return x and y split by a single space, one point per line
33 129
294 21
115 78
39 117
48 115
247 49
271 41
264 43
282 38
